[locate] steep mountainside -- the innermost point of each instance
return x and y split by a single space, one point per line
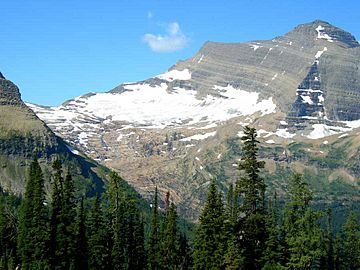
23 135
182 128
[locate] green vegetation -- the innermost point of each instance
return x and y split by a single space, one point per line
117 230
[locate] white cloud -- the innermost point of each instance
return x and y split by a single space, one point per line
174 40
150 15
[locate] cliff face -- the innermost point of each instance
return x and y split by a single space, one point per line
180 129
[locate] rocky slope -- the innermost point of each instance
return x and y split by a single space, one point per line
182 128
23 135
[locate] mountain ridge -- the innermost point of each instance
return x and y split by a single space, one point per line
179 129
23 136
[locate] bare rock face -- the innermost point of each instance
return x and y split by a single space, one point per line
180 129
9 93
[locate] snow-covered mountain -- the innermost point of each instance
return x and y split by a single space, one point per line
178 129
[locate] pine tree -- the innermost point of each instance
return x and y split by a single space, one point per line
232 207
127 227
233 258
8 231
184 252
67 217
170 242
154 248
96 236
33 221
81 250
138 254
351 242
303 232
251 189
210 241
327 262
62 220
272 254
118 217
55 221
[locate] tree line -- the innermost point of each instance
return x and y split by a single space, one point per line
244 231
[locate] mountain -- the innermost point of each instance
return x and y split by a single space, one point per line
182 128
23 135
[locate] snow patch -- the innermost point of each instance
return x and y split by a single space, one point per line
319 53
282 132
322 130
352 124
270 141
307 99
343 135
83 138
241 102
198 137
75 152
255 47
189 145
322 35
201 58
172 75
274 77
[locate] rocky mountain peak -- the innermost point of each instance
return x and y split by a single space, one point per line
322 30
9 93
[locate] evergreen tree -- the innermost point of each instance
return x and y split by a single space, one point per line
33 221
138 253
8 231
96 238
55 221
170 243
118 216
184 253
127 232
81 250
251 189
62 220
233 257
68 217
351 242
303 232
232 207
272 254
154 247
210 241
327 262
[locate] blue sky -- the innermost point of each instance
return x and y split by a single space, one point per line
56 50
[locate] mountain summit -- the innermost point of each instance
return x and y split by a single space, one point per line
321 30
180 129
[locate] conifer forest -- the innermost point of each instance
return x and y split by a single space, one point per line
247 228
